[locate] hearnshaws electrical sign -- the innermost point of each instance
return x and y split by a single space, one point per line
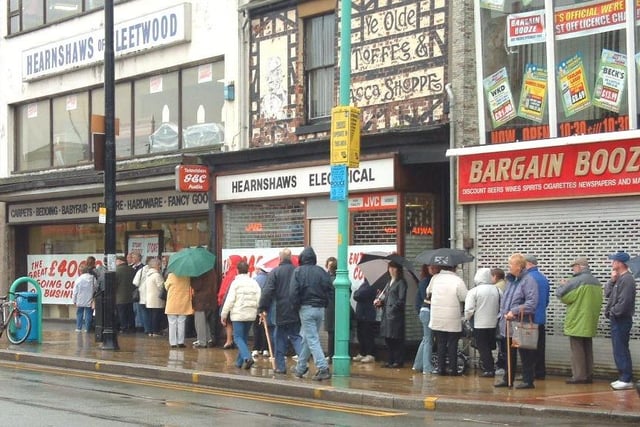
576 170
158 29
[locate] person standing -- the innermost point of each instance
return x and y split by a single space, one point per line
583 296
519 300
260 344
331 265
82 296
154 305
422 362
447 292
393 301
278 290
178 307
134 259
620 292
124 298
366 320
482 305
497 278
540 317
204 304
311 291
241 306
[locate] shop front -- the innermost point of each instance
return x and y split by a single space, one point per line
55 237
557 199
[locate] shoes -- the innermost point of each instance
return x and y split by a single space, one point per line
499 372
437 372
182 345
265 353
523 386
228 346
78 330
255 353
368 359
358 358
278 371
248 364
322 374
621 385
295 357
572 381
197 344
210 343
298 374
393 365
501 384
488 374
174 346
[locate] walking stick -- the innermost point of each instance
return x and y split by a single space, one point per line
507 329
272 357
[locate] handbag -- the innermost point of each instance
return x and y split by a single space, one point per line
135 295
525 334
163 293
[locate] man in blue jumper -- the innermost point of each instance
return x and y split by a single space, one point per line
540 317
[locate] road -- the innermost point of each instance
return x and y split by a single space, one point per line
40 396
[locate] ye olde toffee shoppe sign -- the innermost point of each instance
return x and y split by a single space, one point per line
562 172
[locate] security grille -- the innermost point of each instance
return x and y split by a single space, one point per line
276 224
557 233
374 227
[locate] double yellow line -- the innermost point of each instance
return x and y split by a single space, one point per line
327 406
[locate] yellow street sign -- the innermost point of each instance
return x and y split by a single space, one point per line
345 136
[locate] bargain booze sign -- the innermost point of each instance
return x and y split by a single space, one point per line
56 274
192 178
606 168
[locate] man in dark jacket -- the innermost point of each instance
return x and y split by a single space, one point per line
124 290
204 304
311 291
287 319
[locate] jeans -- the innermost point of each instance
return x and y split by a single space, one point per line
423 356
240 337
83 318
284 334
620 330
176 328
311 320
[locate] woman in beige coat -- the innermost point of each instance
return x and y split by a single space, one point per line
153 284
178 307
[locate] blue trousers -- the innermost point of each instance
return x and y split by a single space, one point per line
284 334
620 330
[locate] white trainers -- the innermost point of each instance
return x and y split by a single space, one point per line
499 372
368 359
265 353
255 353
295 357
357 358
621 385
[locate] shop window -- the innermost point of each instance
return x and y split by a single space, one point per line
71 129
277 224
319 63
202 103
34 134
156 114
374 227
123 115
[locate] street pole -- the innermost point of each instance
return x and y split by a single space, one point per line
109 335
341 359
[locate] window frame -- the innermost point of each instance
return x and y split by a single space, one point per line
322 65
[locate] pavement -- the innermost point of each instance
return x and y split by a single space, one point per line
368 384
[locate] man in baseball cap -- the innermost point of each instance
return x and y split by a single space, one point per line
620 292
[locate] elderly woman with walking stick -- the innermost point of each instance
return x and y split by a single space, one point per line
520 299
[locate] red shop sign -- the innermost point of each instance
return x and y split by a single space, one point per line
580 170
192 178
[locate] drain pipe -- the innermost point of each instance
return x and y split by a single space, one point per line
452 175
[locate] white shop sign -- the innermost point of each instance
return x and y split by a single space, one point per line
140 204
304 181
155 30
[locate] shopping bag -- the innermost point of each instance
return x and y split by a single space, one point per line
525 334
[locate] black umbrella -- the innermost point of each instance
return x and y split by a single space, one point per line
634 266
375 268
445 257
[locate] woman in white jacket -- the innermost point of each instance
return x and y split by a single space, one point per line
154 284
447 291
241 305
482 305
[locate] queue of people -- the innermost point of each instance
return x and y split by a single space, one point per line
296 301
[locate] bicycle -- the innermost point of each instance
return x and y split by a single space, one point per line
14 321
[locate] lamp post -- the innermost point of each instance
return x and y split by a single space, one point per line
109 334
341 359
